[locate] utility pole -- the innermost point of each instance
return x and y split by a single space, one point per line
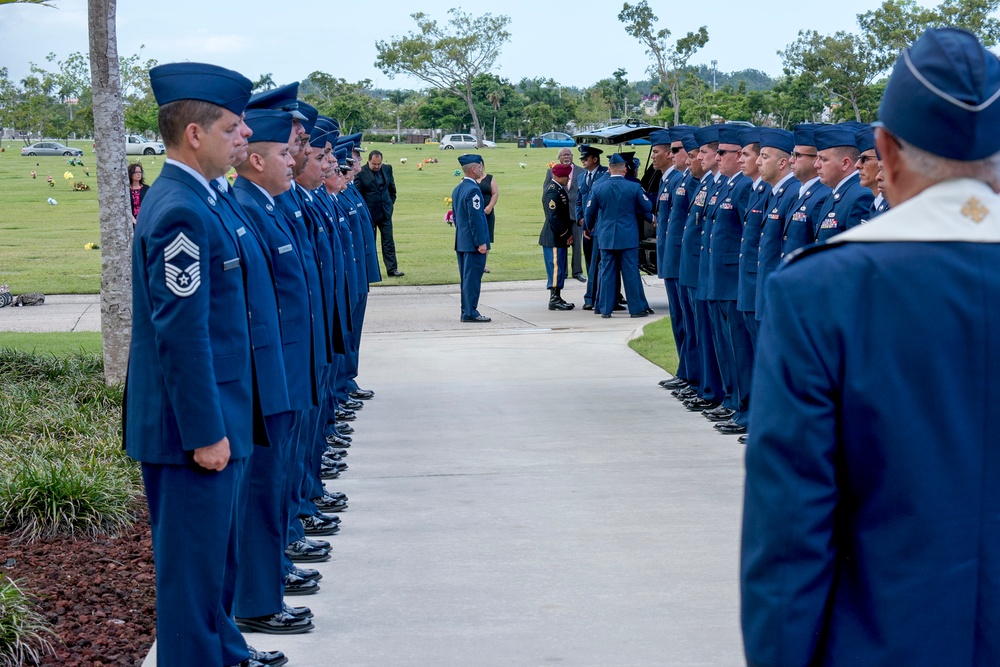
714 66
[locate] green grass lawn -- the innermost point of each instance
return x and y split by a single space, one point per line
657 344
42 246
59 344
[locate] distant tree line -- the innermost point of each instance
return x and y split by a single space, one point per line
830 77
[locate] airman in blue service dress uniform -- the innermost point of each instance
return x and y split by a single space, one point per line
869 165
849 202
776 166
472 238
615 206
590 158
746 295
557 234
870 516
801 224
189 404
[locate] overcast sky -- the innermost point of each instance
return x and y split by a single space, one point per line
575 43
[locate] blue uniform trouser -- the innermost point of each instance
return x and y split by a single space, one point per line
710 387
358 322
745 350
194 519
259 588
677 325
470 271
295 469
625 263
719 317
555 267
691 350
313 484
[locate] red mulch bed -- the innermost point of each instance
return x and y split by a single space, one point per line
97 594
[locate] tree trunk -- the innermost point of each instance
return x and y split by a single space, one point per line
675 97
398 122
112 198
475 117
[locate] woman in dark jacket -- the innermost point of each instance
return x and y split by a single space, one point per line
137 189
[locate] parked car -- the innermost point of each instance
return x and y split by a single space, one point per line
453 141
557 140
136 145
50 148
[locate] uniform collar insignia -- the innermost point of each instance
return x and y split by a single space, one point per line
974 210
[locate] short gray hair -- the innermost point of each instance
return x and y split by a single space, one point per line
942 169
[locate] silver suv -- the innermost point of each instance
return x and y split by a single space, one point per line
453 141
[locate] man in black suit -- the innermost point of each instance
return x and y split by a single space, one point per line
379 190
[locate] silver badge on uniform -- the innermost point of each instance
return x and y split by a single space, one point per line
211 200
241 231
230 264
183 277
285 248
269 207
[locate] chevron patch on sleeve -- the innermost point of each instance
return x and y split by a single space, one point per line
181 265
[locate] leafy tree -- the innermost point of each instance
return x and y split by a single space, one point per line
352 104
449 57
669 62
264 82
795 99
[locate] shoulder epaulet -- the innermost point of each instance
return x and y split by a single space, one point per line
808 251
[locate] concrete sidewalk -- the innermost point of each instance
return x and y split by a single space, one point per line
522 493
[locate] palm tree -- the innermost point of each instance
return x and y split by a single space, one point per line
494 97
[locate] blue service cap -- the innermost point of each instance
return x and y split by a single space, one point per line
616 158
354 139
689 140
660 138
200 81
783 140
832 136
341 154
942 96
750 135
864 139
470 158
730 134
269 125
707 135
683 129
281 98
804 134
586 150
332 126
311 114
322 133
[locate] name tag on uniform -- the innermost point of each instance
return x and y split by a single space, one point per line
231 264
352 212
285 248
241 231
298 214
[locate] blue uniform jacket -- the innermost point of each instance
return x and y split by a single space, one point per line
680 204
354 224
662 208
870 521
800 225
614 210
879 206
843 209
470 220
270 384
724 239
691 238
583 189
368 231
746 292
189 381
772 228
340 233
293 292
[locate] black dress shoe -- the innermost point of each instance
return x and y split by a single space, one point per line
719 414
685 393
674 383
307 573
743 439
297 586
344 429
275 624
326 472
352 404
649 311
299 612
344 415
588 306
316 544
718 425
605 316
732 429
315 526
301 552
328 503
620 306
269 658
699 404
477 318
559 304
336 440
395 273
639 314
362 394
580 277
334 452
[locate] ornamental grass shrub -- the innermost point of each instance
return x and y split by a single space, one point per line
24 636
